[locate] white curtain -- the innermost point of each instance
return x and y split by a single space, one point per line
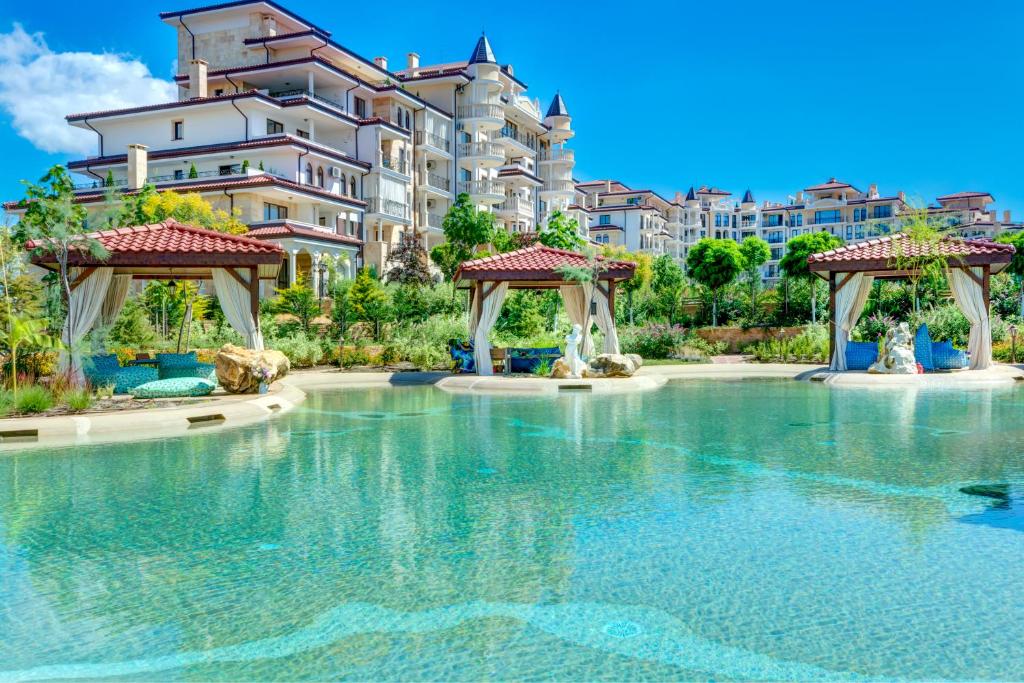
970 298
117 294
235 302
488 316
577 299
83 310
850 302
606 323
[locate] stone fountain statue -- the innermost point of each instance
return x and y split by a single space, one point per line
898 353
570 365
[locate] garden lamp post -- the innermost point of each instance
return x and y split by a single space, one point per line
1013 344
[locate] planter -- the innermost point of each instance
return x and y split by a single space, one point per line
263 388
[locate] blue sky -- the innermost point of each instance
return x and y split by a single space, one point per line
920 96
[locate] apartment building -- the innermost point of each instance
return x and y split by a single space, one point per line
641 220
327 152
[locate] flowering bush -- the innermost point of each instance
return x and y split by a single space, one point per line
654 340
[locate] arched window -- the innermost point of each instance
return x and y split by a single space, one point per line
407 120
320 176
344 184
309 173
352 186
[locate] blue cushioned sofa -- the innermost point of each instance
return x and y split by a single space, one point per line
860 355
937 355
103 370
173 365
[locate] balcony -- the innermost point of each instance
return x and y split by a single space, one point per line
484 191
558 187
305 94
557 155
515 206
433 140
434 221
435 181
484 154
518 138
396 164
489 116
387 207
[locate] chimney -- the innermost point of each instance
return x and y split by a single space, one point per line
679 197
269 26
799 197
1006 216
607 186
197 81
903 196
872 191
412 62
382 62
137 166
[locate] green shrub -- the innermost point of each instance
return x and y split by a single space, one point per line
427 356
78 400
34 399
302 351
810 346
391 354
654 340
6 402
543 368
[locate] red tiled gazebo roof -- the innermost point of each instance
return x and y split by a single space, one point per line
881 254
171 244
536 263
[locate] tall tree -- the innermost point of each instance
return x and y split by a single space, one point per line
150 206
57 224
794 262
407 263
714 264
466 231
756 253
667 285
1016 267
561 232
368 300
642 274
300 301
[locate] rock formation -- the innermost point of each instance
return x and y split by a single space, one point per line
240 370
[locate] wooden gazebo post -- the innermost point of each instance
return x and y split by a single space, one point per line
831 315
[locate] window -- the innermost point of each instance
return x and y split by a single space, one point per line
309 174
179 174
320 176
274 127
229 169
343 183
828 216
604 219
178 130
859 214
322 221
302 133
360 107
274 212
408 127
352 187
882 211
633 201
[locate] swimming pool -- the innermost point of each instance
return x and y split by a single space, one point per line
727 530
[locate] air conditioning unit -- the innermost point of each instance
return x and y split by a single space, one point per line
335 172
431 165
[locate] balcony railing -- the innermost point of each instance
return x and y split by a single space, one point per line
558 155
182 177
515 204
438 181
388 207
100 184
481 187
481 149
524 139
481 111
396 164
433 139
299 94
435 220
558 186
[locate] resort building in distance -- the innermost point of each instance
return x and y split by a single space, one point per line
330 154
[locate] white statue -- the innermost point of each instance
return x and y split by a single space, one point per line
898 353
572 352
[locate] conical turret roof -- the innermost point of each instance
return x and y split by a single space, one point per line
482 53
690 195
557 107
748 197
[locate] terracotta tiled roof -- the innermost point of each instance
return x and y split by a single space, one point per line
536 262
264 231
173 243
964 195
832 184
881 252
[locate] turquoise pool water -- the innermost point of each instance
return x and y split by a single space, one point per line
767 530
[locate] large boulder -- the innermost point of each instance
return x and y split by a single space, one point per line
240 370
561 369
613 365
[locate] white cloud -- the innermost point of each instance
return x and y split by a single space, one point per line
39 87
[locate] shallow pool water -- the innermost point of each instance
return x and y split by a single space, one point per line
709 530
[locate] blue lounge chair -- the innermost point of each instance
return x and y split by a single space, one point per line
937 355
860 355
103 370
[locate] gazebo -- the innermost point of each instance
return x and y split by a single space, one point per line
538 267
162 251
852 269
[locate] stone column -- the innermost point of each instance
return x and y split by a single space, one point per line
315 274
292 275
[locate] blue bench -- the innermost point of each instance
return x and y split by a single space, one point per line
171 365
103 370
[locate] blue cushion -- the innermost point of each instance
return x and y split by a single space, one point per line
945 357
177 359
923 348
103 363
175 388
860 355
527 360
464 361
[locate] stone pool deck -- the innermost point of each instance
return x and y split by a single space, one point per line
226 411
